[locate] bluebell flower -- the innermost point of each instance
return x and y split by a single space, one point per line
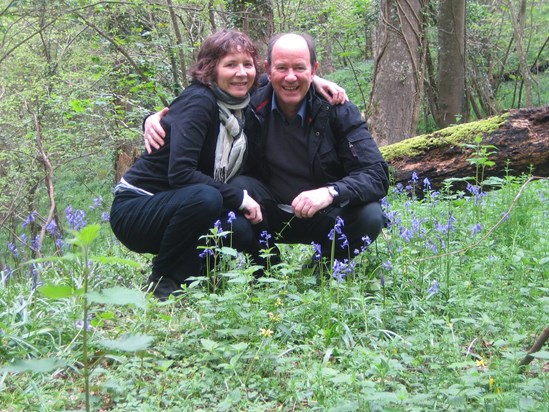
318 251
414 178
105 216
230 217
51 227
344 241
217 225
434 288
76 218
342 269
399 188
97 202
264 238
24 239
13 249
8 272
30 218
388 265
426 184
382 280
476 229
34 244
205 253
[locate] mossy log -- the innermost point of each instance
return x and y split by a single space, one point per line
521 139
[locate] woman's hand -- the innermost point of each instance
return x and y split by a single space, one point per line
251 209
154 133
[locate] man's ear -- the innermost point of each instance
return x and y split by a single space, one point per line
315 68
267 69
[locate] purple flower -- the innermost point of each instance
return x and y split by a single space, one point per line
388 265
414 178
51 228
217 225
30 218
34 245
382 280
76 218
230 217
8 272
265 236
205 253
97 202
476 229
318 251
426 184
13 249
105 216
342 269
434 288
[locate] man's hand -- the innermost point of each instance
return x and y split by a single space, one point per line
252 210
306 204
330 91
154 134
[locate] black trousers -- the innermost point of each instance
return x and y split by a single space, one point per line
357 223
170 224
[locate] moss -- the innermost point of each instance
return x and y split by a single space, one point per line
453 135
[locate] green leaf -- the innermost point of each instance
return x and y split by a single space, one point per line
56 291
209 345
115 260
542 354
118 295
35 365
128 343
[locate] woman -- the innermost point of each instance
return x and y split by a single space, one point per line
172 196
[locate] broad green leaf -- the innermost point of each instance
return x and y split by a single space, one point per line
35 365
209 345
56 291
542 354
128 343
118 295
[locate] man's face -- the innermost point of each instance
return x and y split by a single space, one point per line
290 73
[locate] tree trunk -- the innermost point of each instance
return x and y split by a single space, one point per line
399 63
521 137
451 63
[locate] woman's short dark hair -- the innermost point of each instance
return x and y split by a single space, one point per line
217 46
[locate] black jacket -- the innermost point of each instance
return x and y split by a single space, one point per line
188 156
341 150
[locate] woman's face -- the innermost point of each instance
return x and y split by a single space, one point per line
236 73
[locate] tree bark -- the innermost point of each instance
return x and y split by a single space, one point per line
399 68
521 138
451 63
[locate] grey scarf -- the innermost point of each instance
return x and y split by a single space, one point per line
231 141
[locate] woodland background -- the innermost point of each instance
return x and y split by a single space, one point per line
440 313
77 77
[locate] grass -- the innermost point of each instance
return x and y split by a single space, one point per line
436 315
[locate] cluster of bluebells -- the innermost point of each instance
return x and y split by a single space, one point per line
342 269
337 231
17 250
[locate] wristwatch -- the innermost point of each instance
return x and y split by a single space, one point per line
334 192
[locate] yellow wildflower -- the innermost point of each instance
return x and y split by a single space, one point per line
265 332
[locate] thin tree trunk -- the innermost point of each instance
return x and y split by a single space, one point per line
451 62
399 68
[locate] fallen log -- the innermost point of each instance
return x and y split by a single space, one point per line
520 136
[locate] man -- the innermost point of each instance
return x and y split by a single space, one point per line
313 166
